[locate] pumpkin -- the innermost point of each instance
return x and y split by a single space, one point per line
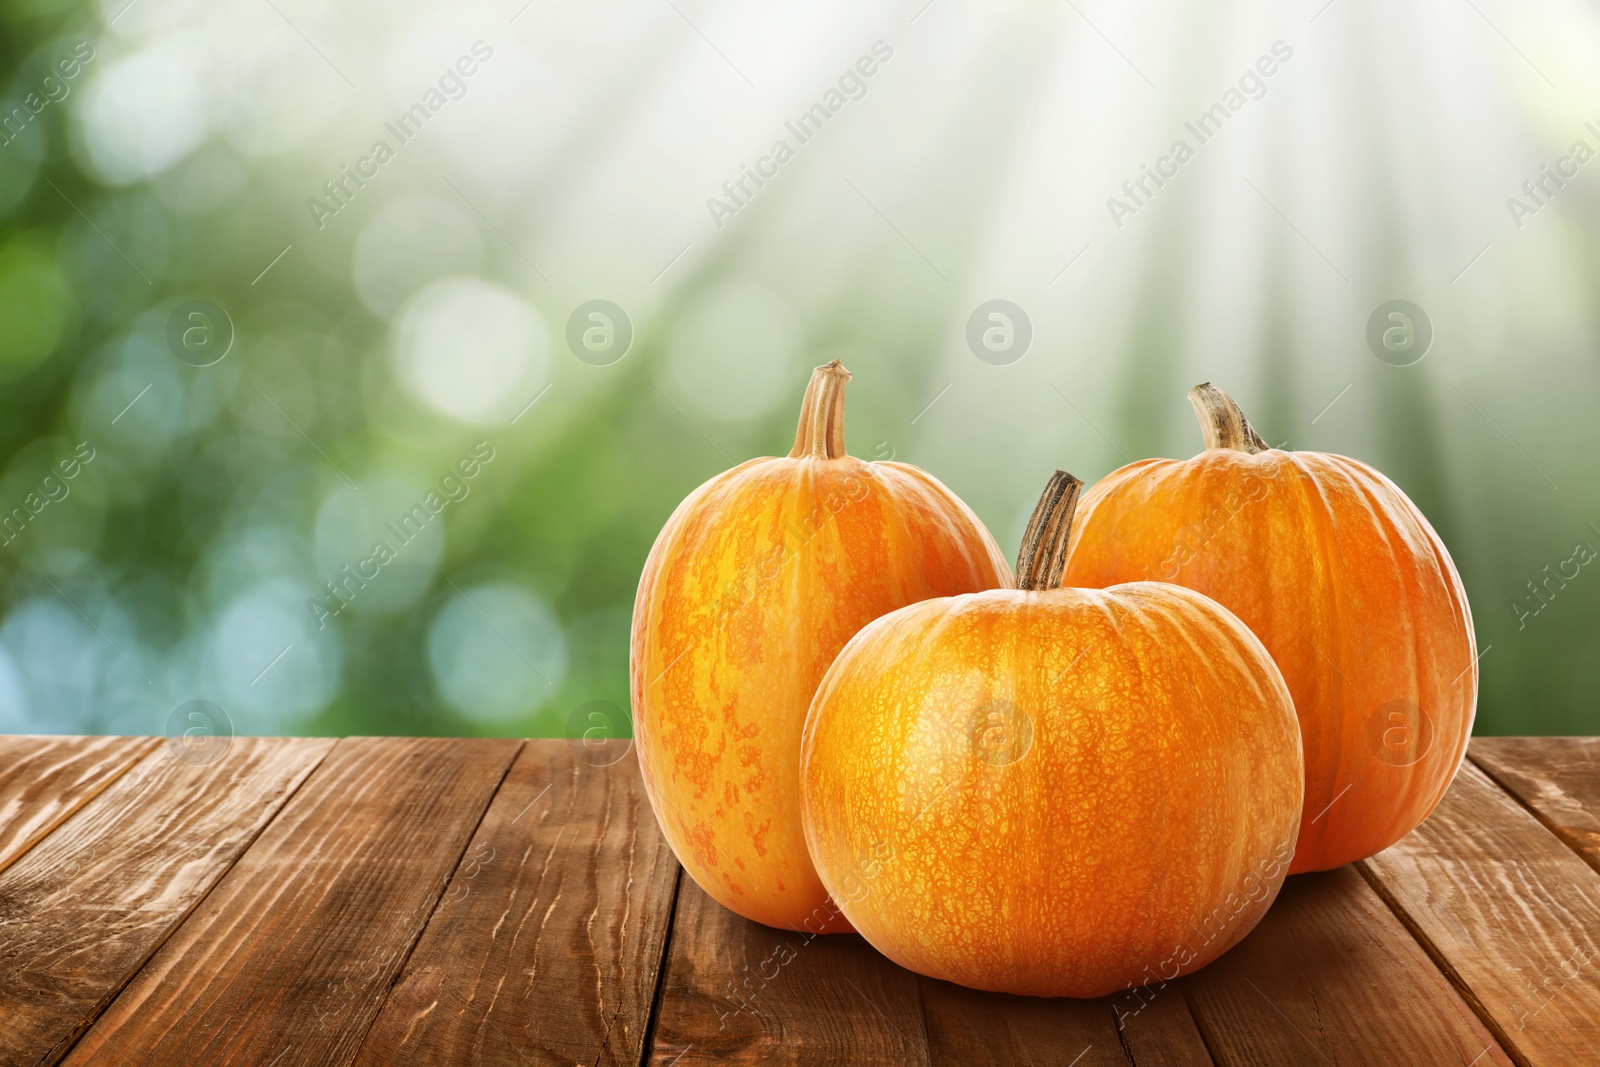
753 586
1345 583
1055 792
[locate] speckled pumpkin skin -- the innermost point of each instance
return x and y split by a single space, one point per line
751 589
1056 793
1352 592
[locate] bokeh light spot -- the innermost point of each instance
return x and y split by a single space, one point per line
468 348
497 651
143 114
409 242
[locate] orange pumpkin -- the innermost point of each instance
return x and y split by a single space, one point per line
1345 583
756 582
1056 792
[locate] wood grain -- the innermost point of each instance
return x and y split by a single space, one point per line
1331 976
969 1028
1512 913
287 960
85 908
737 992
1160 1034
43 780
379 902
1558 777
547 943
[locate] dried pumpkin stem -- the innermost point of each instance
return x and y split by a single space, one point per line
821 430
1043 557
1222 421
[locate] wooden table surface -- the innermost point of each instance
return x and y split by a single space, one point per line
396 901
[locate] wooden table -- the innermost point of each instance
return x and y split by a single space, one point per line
396 901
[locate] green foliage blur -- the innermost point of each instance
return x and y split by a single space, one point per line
341 464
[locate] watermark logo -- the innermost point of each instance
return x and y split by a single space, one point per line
199 732
1000 732
1399 733
606 730
999 332
1399 333
199 332
599 332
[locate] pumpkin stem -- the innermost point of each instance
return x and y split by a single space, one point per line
821 430
1043 557
1222 422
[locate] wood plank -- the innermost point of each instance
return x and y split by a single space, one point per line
86 907
972 1028
1330 975
1510 911
287 960
547 944
1160 1034
1558 777
737 992
44 780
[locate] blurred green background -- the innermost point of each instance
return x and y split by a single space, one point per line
176 185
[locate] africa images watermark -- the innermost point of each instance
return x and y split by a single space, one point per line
1543 593
1252 889
341 190
1577 961
54 91
743 586
344 587
1193 538
51 490
1141 190
852 85
1552 177
743 991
